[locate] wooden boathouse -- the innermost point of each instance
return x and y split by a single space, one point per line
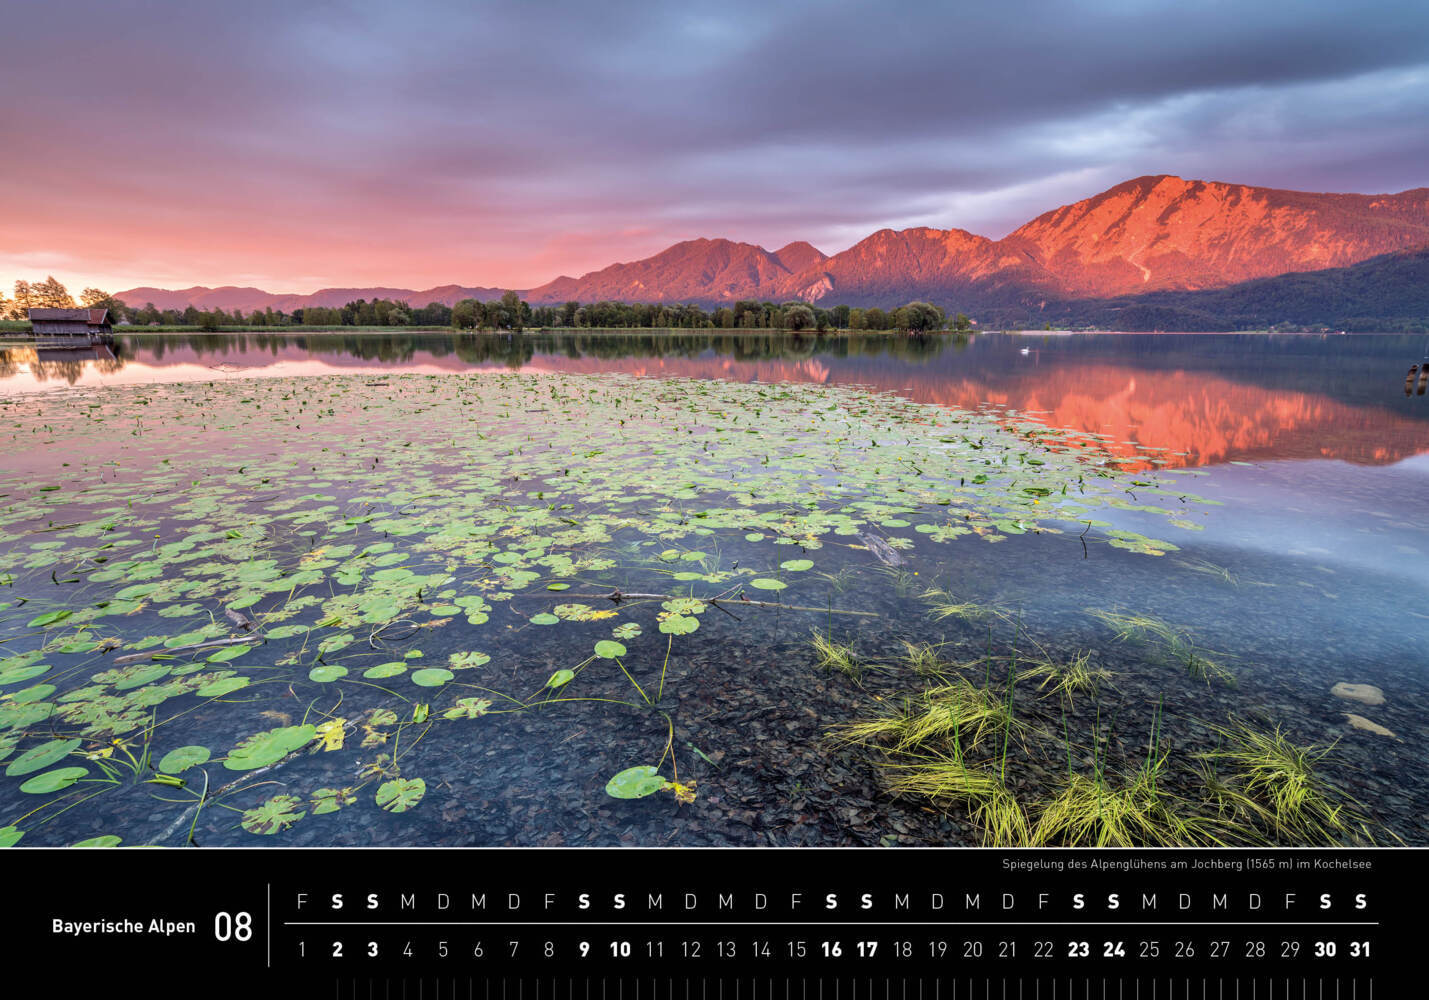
70 327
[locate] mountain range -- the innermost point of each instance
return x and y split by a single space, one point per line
1145 237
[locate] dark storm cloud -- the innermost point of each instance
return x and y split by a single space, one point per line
534 137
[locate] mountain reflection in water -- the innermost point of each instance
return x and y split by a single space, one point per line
1203 399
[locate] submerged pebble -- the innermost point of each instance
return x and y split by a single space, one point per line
1366 694
1360 722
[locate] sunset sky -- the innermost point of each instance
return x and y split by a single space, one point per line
294 145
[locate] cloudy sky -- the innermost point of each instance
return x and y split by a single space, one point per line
294 145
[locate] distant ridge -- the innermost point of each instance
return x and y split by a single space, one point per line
1151 234
230 297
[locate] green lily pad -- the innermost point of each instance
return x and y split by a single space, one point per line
765 583
219 688
326 672
180 759
384 670
10 836
544 618
609 649
400 794
634 783
48 618
277 813
53 781
330 800
796 565
107 840
561 678
430 677
679 625
13 675
42 756
262 749
36 692
468 708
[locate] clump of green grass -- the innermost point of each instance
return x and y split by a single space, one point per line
1210 569
840 580
838 656
1274 782
1132 812
1075 676
947 777
923 658
944 605
1175 645
903 581
959 711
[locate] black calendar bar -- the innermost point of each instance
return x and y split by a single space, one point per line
766 925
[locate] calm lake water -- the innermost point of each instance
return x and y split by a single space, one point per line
1310 567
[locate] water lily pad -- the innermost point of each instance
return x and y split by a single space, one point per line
679 624
219 688
42 756
384 670
401 794
468 708
609 649
13 675
36 692
262 749
431 677
53 781
796 565
48 618
544 618
561 678
765 583
228 653
634 783
626 630
107 840
180 759
330 800
277 813
10 836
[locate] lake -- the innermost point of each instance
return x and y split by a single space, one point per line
712 589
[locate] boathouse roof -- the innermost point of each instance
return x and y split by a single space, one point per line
93 317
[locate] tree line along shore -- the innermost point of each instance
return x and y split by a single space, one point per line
510 313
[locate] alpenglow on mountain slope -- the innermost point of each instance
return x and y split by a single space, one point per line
1150 234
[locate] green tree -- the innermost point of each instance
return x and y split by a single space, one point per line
50 294
918 317
796 316
514 312
466 314
93 298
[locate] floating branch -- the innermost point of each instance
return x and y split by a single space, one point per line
617 596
